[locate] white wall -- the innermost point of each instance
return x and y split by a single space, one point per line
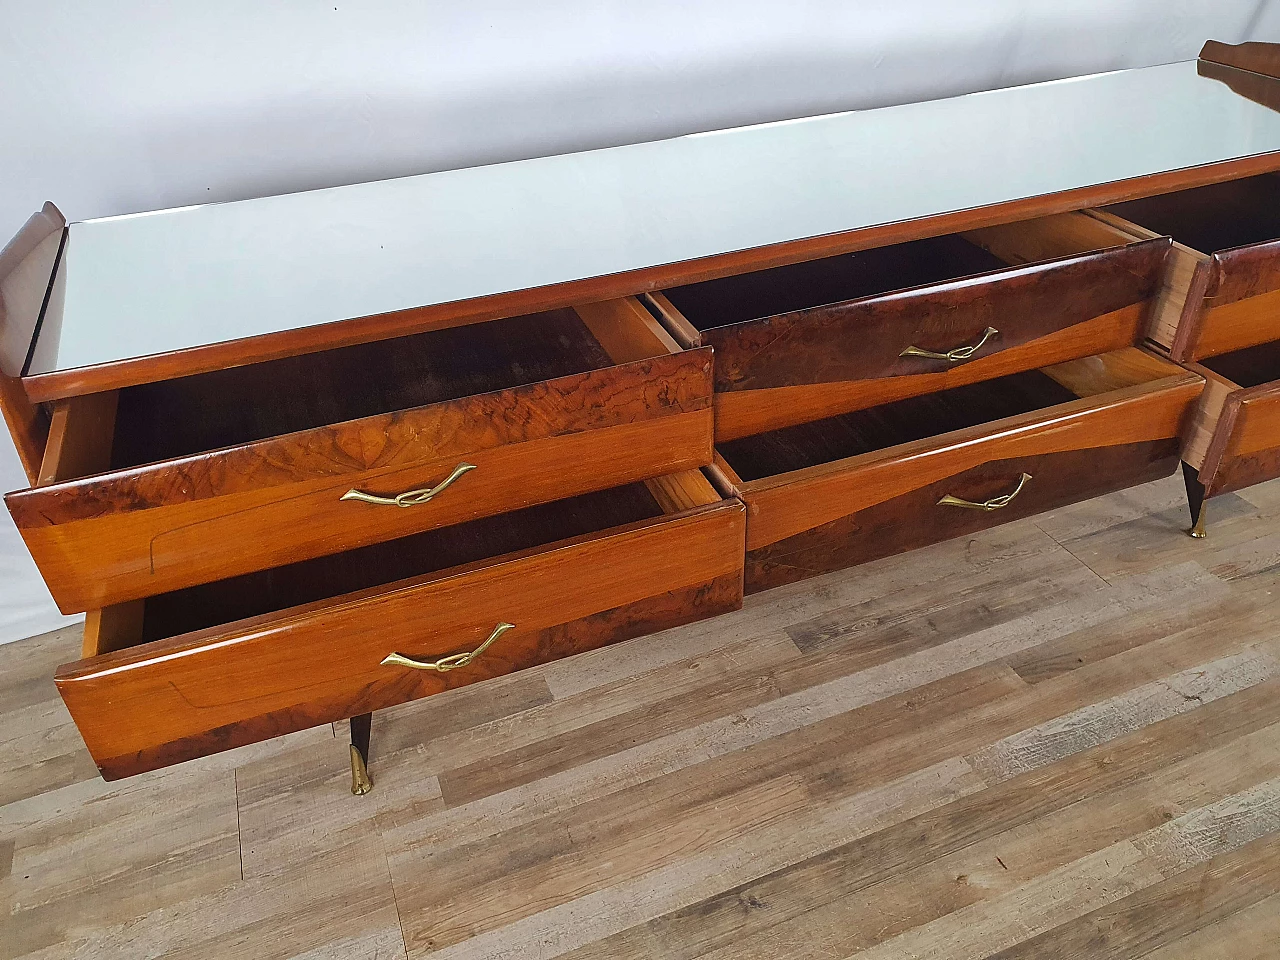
115 107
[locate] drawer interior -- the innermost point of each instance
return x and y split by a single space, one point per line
933 415
1250 367
1213 218
174 418
324 578
869 273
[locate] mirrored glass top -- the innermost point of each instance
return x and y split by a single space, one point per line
151 283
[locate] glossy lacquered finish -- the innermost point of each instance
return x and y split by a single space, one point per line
192 694
129 533
992 318
832 514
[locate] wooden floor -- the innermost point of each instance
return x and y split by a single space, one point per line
1057 739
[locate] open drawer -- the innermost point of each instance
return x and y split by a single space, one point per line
180 482
813 339
1235 440
1222 292
199 670
855 487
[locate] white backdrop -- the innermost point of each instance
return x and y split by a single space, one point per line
116 107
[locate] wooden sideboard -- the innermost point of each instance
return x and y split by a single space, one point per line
306 457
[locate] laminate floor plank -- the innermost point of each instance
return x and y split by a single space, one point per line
815 704
845 870
1058 737
1112 544
1248 934
887 632
1156 914
996 865
1009 547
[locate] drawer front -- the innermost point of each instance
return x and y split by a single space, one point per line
858 510
915 518
172 700
1245 448
813 363
1240 306
148 530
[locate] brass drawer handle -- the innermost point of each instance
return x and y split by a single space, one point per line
451 662
956 355
995 503
410 498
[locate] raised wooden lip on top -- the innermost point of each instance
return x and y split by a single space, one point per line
1260 60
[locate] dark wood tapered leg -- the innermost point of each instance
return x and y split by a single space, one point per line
360 782
1195 500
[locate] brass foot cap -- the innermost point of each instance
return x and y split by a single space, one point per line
360 782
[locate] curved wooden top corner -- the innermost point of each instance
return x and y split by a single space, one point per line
1263 58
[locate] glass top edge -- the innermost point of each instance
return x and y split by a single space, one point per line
764 124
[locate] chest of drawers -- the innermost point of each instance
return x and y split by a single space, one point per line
307 457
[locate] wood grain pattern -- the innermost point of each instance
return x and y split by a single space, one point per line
1256 57
222 686
1177 302
1246 444
135 532
745 412
914 519
67 383
1050 238
1204 422
1252 86
113 628
28 425
684 332
1222 291
862 340
788 504
1233 326
626 330
80 433
970 733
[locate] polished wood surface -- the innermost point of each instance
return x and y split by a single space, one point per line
831 280
134 532
1246 445
163 421
113 628
66 383
28 425
746 412
221 686
1060 725
1256 57
1186 276
865 339
823 359
1198 434
1225 282
80 432
1154 408
914 518
892 424
1257 87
